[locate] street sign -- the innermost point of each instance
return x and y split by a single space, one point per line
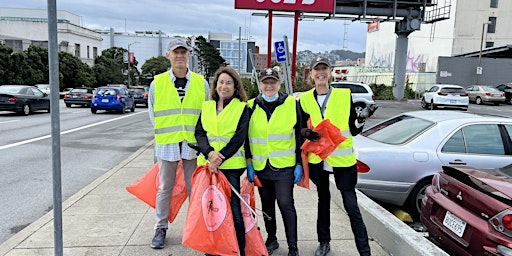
125 57
280 51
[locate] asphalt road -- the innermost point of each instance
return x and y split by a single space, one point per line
90 146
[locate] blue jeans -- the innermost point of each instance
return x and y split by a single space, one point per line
346 179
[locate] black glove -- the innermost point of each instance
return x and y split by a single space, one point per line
363 114
311 135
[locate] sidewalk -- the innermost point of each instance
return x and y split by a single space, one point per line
104 219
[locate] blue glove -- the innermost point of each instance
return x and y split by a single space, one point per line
297 173
250 173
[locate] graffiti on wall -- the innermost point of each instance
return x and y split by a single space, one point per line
414 62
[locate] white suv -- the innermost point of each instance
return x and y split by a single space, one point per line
362 95
445 96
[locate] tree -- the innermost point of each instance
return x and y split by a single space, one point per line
73 72
209 58
153 66
6 74
108 67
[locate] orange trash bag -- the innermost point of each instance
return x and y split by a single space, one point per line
330 138
304 181
254 244
146 187
209 226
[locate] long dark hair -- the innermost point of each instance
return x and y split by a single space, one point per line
239 87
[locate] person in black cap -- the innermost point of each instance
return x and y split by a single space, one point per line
273 152
173 94
320 103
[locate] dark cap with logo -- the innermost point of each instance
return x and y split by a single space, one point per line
317 61
269 73
176 43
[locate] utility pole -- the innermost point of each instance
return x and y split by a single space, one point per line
129 62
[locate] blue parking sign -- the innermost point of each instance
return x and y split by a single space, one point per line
280 51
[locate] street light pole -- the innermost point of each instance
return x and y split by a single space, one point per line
479 67
129 69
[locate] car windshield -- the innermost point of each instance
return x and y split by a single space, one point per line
79 90
10 89
452 90
107 91
137 90
397 130
491 89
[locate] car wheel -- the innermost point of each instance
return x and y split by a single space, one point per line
414 201
26 109
424 103
68 105
359 107
478 101
123 109
432 106
133 108
93 110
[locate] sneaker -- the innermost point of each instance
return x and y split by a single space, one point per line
159 239
271 246
322 249
293 251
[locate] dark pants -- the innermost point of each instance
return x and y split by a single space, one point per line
282 191
346 179
233 177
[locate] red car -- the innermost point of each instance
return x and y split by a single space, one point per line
469 211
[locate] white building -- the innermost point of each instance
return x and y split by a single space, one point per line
21 27
234 51
461 33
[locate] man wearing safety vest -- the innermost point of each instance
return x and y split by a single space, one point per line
274 155
221 132
174 104
320 103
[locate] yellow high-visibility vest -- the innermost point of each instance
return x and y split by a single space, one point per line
273 139
337 111
175 120
221 128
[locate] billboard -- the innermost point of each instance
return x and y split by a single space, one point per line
287 5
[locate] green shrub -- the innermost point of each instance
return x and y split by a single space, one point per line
384 92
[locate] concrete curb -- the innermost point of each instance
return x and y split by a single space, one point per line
25 233
392 234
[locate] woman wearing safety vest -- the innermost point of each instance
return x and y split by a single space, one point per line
274 156
221 132
320 103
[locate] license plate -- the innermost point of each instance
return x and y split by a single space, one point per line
454 223
453 101
496 95
75 96
104 100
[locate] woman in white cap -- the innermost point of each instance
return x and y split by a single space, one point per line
320 103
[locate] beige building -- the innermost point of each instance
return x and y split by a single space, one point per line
22 27
469 22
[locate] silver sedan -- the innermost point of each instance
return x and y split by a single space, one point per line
405 151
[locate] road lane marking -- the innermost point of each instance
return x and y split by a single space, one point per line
68 131
9 121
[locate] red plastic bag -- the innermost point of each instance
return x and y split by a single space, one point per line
254 244
209 225
304 181
145 188
330 138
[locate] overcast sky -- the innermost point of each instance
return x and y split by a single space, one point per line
198 17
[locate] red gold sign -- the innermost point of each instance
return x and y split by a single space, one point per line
287 5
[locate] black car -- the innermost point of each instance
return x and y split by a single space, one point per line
140 95
23 99
79 96
507 89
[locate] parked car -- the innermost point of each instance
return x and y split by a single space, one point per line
445 96
44 88
362 94
140 95
79 96
112 98
485 94
64 92
405 151
468 211
23 99
507 89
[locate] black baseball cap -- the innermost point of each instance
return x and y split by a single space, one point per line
317 61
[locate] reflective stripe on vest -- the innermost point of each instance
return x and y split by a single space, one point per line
175 120
273 139
221 128
338 112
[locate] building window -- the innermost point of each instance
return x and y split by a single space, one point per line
88 56
491 28
94 52
489 44
494 3
77 50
